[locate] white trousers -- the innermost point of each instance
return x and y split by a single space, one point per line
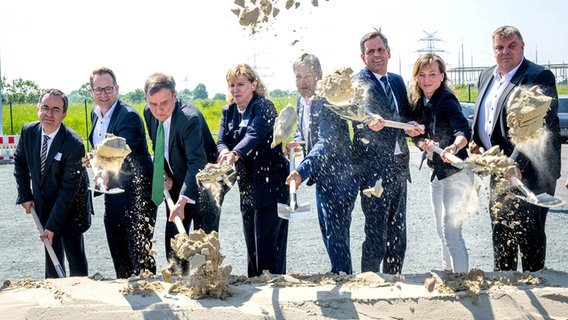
450 201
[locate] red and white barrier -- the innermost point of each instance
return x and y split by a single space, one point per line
8 148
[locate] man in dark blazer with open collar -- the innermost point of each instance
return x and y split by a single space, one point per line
518 225
327 163
382 154
59 192
190 146
130 216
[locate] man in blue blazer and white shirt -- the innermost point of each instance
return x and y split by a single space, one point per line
518 226
130 216
328 163
382 154
55 184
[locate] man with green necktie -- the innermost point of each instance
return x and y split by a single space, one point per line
182 146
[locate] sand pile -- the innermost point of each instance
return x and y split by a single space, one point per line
109 154
254 14
526 109
284 125
203 252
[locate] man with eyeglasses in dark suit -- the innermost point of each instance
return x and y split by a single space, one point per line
130 216
51 180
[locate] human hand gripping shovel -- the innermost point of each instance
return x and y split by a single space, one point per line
542 200
195 261
293 210
52 255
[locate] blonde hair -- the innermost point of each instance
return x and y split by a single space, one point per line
244 70
422 61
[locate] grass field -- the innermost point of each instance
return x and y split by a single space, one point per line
78 115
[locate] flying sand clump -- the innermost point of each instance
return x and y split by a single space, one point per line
110 153
215 178
337 86
284 125
526 109
254 14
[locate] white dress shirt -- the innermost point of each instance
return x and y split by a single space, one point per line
101 127
489 108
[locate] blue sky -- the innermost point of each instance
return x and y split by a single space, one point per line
58 43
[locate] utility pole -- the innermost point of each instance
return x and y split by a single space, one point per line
430 39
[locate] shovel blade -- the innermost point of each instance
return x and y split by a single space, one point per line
287 212
196 261
544 200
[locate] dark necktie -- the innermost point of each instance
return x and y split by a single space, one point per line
43 154
158 177
390 97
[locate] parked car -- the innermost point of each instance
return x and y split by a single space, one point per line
467 110
563 116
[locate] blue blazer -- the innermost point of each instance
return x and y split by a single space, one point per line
330 160
186 145
374 150
529 74
262 170
61 198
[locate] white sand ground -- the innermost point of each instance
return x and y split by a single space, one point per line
541 295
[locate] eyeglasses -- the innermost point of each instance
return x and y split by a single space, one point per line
107 90
55 110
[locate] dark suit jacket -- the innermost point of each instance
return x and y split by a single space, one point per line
330 158
61 198
444 121
127 123
262 170
376 156
528 74
186 145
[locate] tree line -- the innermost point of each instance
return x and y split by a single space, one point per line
27 91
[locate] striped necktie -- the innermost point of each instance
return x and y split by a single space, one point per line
43 154
390 96
158 177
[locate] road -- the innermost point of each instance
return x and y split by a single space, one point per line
21 253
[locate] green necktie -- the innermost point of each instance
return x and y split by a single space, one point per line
158 178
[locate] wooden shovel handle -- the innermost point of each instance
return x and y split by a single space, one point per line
401 125
170 204
48 247
448 155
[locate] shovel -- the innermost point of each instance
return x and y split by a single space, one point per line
356 112
52 255
293 210
542 200
198 259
